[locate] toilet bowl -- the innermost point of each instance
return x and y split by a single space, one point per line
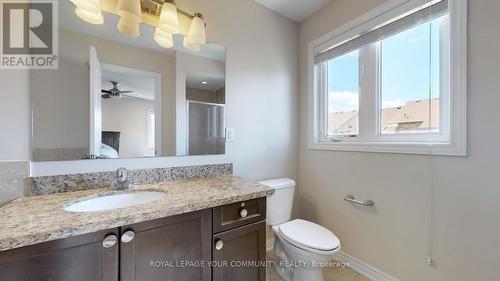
302 248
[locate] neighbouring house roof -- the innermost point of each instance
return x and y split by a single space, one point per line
341 123
413 116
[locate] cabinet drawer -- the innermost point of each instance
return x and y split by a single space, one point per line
237 214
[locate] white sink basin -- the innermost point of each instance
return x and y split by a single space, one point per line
115 201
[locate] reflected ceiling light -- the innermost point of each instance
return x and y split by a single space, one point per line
188 44
130 17
197 34
89 11
130 12
169 21
163 38
204 82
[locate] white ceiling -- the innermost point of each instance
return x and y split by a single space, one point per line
142 87
214 83
296 10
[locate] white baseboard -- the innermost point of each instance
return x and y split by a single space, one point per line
355 264
363 268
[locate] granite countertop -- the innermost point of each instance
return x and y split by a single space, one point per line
32 220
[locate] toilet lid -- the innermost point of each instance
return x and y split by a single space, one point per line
305 233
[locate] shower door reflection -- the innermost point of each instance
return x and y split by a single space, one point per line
205 128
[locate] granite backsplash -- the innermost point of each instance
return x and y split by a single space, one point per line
73 182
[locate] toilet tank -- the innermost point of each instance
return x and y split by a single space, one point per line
279 205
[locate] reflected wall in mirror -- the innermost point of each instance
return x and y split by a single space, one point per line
128 108
205 95
115 96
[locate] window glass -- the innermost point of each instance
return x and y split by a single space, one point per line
343 95
410 80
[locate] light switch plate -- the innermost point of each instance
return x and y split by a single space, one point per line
230 134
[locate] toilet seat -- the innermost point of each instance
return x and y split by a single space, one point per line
309 236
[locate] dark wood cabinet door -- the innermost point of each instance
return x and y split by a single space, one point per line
79 258
168 249
244 244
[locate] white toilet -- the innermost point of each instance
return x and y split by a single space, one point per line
302 247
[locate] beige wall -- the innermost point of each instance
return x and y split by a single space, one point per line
443 206
220 96
129 117
15 115
15 133
201 95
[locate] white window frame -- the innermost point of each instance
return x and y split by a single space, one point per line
452 139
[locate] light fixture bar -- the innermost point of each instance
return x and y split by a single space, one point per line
159 3
184 13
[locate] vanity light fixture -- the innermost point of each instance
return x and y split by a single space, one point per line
130 17
193 47
163 38
197 34
169 20
130 13
89 11
204 82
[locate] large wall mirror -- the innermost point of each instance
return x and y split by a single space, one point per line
114 96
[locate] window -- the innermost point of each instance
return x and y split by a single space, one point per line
411 96
343 95
385 84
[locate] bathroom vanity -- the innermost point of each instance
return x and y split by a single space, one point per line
198 231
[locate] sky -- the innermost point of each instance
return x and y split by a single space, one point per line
410 70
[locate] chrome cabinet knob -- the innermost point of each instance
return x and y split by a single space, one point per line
109 241
243 213
219 245
128 236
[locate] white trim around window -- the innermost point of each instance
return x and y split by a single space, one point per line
454 116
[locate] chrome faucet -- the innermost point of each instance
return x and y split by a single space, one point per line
122 182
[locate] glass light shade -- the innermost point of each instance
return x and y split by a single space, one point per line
130 17
130 7
163 38
129 25
169 21
190 45
197 33
89 5
89 16
89 11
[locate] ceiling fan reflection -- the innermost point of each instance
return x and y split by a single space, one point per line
115 92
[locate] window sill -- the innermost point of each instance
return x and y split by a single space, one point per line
434 148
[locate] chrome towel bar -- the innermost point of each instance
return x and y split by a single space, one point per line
352 199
